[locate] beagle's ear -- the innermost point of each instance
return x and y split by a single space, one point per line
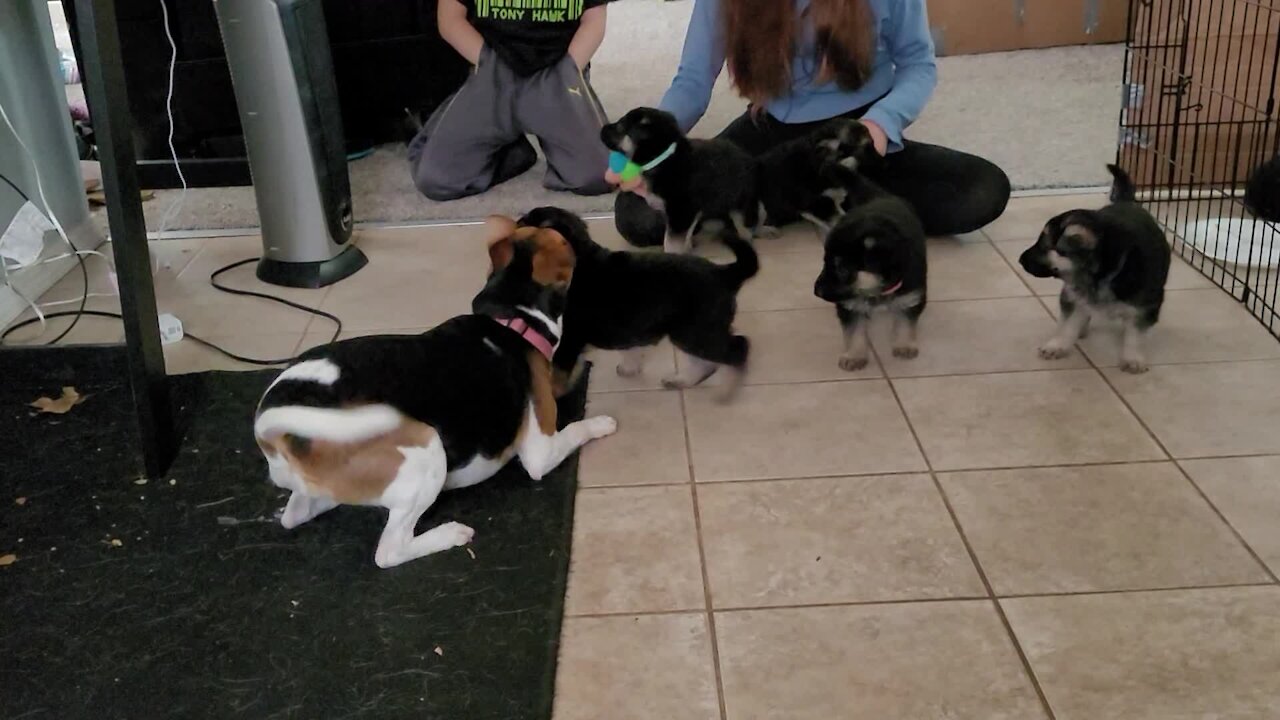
498 232
553 260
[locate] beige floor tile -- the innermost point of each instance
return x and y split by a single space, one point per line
970 271
816 429
949 660
1207 410
650 446
634 550
187 356
794 346
1155 656
654 667
1022 419
1247 492
206 311
974 336
785 282
1181 275
659 363
1098 528
1195 326
416 277
1025 216
833 540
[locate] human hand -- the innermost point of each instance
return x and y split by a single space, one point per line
879 139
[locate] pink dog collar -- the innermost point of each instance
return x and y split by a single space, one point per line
529 333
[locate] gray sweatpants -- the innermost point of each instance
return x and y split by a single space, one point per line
477 138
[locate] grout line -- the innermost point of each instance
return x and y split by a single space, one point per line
973 556
1170 588
929 601
702 562
1239 537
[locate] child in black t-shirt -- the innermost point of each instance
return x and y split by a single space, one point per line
530 77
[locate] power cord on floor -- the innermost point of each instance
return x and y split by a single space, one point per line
213 280
84 273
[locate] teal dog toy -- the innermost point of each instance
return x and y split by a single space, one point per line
629 170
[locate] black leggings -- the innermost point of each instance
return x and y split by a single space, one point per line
952 192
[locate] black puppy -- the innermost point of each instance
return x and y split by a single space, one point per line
691 181
874 258
1112 262
632 300
794 180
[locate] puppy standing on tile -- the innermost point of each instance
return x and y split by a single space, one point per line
874 259
630 301
1113 264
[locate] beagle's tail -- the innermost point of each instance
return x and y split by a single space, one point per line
1122 187
342 425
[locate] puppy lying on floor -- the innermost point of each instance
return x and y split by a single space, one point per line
794 179
691 182
632 300
1112 262
874 259
394 420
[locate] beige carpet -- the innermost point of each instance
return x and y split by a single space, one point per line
1048 117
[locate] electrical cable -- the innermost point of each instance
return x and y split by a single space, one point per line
84 273
213 280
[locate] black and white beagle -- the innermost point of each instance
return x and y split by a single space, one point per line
392 421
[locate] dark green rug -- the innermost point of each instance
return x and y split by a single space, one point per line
183 598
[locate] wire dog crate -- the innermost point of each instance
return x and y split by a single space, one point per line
1198 117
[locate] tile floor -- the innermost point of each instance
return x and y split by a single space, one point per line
975 534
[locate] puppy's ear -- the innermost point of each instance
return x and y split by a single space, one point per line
498 232
1080 236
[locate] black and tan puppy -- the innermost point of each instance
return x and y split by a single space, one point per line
692 182
874 259
632 300
794 178
1113 263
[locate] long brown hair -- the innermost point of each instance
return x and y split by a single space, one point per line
760 38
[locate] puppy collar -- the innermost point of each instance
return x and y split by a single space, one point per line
531 334
662 157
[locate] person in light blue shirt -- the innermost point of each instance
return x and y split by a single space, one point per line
799 63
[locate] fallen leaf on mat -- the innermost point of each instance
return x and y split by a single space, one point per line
140 481
20 501
439 651
70 398
471 553
8 559
116 543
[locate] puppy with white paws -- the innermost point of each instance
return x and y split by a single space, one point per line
1113 264
874 259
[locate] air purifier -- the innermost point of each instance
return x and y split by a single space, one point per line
282 73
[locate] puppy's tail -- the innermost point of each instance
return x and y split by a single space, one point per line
1122 187
343 425
745 263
